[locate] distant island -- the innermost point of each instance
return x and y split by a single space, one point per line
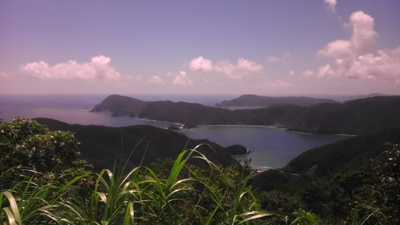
267 101
349 98
353 117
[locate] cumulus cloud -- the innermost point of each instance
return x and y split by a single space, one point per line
337 49
277 83
285 59
325 71
385 64
156 80
292 73
331 4
363 31
201 64
98 68
242 68
353 58
182 79
272 59
308 74
362 39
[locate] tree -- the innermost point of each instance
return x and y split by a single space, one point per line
26 145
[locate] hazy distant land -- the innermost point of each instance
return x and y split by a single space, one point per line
267 101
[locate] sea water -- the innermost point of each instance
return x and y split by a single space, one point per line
270 147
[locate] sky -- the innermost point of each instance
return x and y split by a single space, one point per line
264 47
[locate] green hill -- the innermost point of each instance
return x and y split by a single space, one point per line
120 106
354 117
267 101
100 144
349 153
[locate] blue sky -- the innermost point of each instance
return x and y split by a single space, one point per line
261 47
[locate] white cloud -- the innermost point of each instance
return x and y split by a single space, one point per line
201 64
353 58
98 68
182 79
272 59
242 68
285 59
325 71
308 74
362 39
331 4
337 49
277 83
156 80
292 73
363 31
385 64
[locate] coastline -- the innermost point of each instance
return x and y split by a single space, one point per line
234 125
181 125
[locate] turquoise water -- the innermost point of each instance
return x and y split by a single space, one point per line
270 147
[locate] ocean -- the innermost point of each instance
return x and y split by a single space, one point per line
270 147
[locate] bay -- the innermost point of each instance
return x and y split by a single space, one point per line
270 147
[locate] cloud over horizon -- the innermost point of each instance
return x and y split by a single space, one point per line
156 80
242 68
285 59
98 68
277 83
182 79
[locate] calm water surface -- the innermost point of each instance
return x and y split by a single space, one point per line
270 147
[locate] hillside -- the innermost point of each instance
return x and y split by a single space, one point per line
349 98
99 144
266 101
120 105
349 153
354 117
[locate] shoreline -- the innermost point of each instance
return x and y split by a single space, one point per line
181 125
234 125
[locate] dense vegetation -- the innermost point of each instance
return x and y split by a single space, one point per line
368 195
99 144
267 101
354 117
355 179
44 181
353 153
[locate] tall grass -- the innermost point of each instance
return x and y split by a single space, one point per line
141 196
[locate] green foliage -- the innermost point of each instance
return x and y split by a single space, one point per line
44 182
27 145
368 195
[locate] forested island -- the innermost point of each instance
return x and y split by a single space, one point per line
353 117
267 101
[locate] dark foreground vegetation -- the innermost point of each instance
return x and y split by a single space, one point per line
357 117
44 180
